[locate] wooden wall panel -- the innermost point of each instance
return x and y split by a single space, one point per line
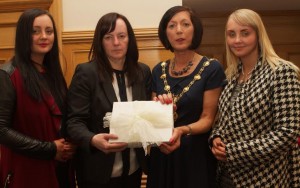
9 18
6 54
295 58
8 38
76 46
282 27
7 34
74 52
21 5
153 56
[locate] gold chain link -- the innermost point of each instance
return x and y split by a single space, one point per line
167 87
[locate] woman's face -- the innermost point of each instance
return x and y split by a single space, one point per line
115 43
242 40
42 36
180 31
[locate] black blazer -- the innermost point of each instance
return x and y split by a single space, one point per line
88 101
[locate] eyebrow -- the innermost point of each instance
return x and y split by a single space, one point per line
48 27
185 19
117 33
246 29
231 30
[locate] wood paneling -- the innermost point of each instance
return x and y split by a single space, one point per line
283 29
21 5
7 33
76 46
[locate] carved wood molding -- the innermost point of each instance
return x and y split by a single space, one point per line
84 36
9 19
21 5
146 37
77 36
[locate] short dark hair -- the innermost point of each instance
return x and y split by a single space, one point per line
198 29
105 25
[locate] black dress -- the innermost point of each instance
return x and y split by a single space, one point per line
192 165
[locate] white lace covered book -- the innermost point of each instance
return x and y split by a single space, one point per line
141 123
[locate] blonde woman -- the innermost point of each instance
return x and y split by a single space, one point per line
255 136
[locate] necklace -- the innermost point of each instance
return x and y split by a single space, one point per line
247 76
184 70
167 87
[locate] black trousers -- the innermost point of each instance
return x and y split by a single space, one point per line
131 181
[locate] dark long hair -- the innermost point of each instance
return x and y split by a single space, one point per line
105 25
34 82
198 28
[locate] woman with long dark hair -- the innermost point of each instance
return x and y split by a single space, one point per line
32 101
113 74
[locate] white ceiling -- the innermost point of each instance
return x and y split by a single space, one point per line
230 5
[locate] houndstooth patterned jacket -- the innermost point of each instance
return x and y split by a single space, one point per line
260 129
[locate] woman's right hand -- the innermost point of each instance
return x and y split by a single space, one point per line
165 99
64 150
101 142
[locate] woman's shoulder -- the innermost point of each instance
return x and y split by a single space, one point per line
284 71
158 66
7 67
85 71
286 66
144 66
87 65
89 69
213 62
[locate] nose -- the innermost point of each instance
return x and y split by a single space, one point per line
43 34
116 40
237 38
178 28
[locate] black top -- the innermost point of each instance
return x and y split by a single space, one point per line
192 165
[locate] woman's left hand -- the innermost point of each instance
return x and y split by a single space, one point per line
173 144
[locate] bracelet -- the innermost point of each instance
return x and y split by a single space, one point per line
190 130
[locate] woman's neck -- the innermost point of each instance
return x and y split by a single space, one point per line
117 64
38 62
249 62
182 58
